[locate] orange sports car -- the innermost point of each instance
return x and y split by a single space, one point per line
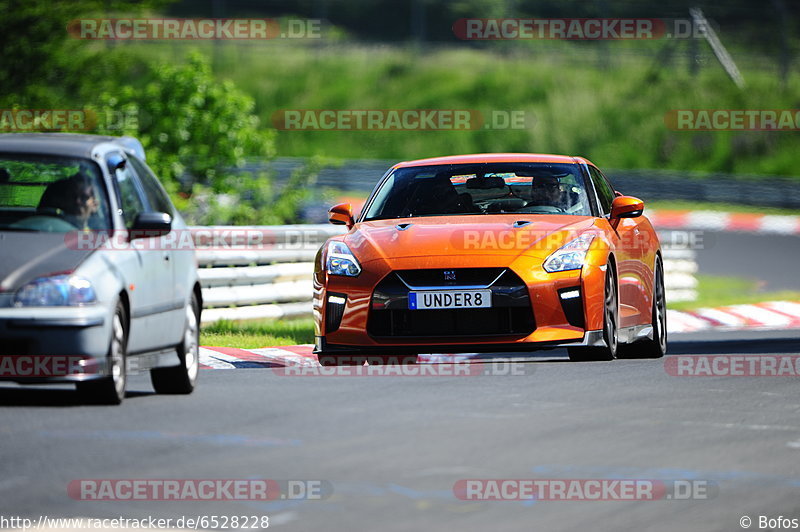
491 252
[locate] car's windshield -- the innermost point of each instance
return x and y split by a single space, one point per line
491 188
51 194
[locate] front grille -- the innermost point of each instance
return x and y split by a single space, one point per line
510 314
443 277
15 347
452 322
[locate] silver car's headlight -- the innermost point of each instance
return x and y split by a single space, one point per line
63 290
341 260
570 256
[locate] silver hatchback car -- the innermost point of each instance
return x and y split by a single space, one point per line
97 279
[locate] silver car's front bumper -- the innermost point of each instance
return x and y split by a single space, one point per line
36 343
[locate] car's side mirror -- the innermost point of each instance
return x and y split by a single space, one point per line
626 207
341 214
150 224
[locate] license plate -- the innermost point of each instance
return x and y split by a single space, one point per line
449 299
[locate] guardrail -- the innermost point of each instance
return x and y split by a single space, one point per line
265 271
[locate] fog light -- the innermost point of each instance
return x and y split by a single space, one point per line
337 300
570 294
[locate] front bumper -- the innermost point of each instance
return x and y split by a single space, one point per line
54 344
589 339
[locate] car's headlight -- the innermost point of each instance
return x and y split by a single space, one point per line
57 291
570 256
341 260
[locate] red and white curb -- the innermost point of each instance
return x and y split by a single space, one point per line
270 357
725 221
760 316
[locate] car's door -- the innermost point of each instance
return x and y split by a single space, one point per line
148 273
628 254
178 245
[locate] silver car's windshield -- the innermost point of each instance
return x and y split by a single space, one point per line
51 194
491 188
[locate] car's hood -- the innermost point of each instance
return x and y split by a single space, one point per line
25 255
505 234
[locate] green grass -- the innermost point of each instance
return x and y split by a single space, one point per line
612 112
258 333
717 291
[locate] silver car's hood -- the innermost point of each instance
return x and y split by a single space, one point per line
25 255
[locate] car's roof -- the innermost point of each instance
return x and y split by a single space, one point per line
67 144
495 158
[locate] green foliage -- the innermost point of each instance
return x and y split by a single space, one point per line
614 115
190 123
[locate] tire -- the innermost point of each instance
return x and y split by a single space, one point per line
610 325
182 379
110 390
657 346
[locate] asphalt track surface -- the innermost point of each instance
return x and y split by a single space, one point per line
392 448
769 258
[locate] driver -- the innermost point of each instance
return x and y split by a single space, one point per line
546 190
73 199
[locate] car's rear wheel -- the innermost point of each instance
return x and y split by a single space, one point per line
657 346
610 325
181 379
111 388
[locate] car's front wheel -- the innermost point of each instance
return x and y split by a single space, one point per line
657 346
111 388
181 379
610 325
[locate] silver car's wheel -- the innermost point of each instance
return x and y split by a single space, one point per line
181 379
111 388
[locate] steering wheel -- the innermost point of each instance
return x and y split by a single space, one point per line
557 209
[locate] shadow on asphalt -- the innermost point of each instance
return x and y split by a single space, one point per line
731 347
36 396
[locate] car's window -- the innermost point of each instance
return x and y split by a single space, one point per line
51 194
491 188
156 196
131 201
604 191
